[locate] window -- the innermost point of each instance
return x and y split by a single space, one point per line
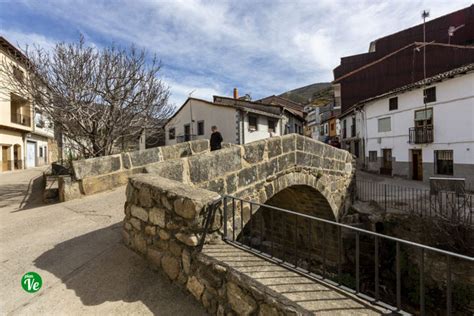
200 127
271 126
253 123
393 104
18 74
429 94
333 127
353 127
384 125
41 151
424 118
443 162
373 156
171 133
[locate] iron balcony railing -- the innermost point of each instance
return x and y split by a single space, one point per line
446 205
21 119
421 135
308 254
185 138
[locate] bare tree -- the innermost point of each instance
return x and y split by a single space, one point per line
97 97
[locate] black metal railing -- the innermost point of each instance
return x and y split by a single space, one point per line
420 135
451 206
185 138
21 119
308 244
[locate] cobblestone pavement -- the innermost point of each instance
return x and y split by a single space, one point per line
76 248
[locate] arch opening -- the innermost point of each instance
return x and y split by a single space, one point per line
308 244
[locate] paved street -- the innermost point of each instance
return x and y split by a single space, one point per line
76 248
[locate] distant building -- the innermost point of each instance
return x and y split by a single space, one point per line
239 121
26 133
396 122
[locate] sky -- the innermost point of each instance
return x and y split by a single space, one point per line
210 47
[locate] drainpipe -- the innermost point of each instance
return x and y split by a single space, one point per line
242 121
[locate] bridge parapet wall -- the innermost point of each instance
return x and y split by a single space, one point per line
95 175
164 221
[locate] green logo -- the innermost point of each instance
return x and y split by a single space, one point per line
31 282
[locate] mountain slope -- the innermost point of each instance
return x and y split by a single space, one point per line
319 92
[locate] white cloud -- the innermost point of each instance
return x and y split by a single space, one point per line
262 47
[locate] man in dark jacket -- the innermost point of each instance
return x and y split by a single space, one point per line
216 139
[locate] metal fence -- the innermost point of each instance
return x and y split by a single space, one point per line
241 214
450 206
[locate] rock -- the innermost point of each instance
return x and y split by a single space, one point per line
157 216
128 226
185 208
126 237
175 248
154 256
164 234
240 302
267 310
171 266
190 240
136 223
139 212
186 260
195 287
144 197
139 243
150 230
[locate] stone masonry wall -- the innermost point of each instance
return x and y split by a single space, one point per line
164 223
104 173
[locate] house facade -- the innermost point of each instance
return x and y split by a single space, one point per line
239 121
26 134
420 137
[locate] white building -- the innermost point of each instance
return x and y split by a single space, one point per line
238 120
406 136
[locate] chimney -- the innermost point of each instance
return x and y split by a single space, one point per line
236 93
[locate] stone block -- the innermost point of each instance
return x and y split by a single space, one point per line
186 208
139 212
176 151
231 183
241 303
188 239
267 168
136 223
68 189
286 161
247 176
172 169
139 243
164 235
171 266
209 166
199 146
157 216
186 261
92 185
195 287
144 197
288 143
154 256
96 166
274 147
150 230
254 151
316 147
303 158
215 186
145 157
267 310
175 248
300 142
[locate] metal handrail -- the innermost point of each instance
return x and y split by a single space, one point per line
358 231
403 241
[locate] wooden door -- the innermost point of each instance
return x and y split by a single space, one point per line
386 162
5 163
417 164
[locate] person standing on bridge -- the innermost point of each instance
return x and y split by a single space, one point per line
216 139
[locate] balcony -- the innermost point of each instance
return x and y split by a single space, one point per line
21 119
421 135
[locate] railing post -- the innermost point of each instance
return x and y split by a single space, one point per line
233 219
357 262
339 255
385 196
397 269
225 217
376 241
422 282
448 287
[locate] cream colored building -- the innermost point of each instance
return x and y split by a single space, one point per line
26 135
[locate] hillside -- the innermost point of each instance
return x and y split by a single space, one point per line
319 93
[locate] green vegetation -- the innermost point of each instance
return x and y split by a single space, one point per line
319 93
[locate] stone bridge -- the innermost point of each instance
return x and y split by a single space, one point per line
167 210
